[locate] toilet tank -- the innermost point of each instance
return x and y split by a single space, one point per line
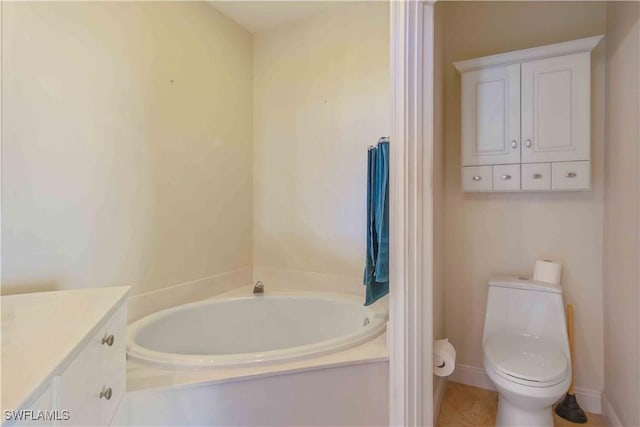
523 306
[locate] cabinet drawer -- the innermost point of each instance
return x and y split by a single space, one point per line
536 176
571 175
99 367
506 178
477 178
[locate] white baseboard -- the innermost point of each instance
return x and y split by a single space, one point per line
438 395
590 400
609 413
473 376
144 304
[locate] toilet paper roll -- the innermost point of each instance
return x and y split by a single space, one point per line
444 358
547 271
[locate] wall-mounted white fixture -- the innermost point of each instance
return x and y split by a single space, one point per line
526 119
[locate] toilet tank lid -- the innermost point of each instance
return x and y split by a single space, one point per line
525 284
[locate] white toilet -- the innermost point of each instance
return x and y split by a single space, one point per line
526 350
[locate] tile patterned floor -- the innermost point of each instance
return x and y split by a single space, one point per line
464 406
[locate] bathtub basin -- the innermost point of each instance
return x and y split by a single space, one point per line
251 330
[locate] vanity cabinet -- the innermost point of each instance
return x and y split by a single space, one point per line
526 116
64 356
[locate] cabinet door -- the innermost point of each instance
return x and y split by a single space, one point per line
555 109
491 116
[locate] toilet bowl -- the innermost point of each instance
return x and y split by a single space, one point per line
526 350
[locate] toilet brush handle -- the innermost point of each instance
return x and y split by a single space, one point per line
570 333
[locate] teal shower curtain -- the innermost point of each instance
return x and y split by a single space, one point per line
376 272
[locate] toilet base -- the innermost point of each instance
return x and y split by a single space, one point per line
510 415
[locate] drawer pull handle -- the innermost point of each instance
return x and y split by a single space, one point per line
477 178
106 393
514 144
506 176
537 175
528 143
108 340
571 174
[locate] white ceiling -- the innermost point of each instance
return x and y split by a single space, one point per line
256 16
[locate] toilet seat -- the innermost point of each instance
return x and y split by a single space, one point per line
526 359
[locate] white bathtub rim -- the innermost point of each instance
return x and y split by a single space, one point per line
198 361
190 361
259 372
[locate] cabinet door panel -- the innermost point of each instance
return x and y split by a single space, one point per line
491 116
555 109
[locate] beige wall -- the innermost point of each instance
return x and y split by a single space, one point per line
126 144
321 97
622 213
491 234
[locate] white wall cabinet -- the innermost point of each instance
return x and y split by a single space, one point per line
524 113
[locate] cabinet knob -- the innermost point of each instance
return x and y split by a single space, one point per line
571 174
477 178
506 176
514 144
537 175
527 143
108 340
106 393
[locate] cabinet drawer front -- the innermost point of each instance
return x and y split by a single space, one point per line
477 178
506 178
536 176
571 175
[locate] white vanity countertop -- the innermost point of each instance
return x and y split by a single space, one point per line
42 332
